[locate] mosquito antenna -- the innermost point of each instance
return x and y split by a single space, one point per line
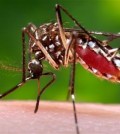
9 68
23 56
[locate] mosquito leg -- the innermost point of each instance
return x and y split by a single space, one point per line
62 34
67 51
32 28
23 57
72 87
24 79
99 43
58 7
71 90
60 25
110 36
38 97
44 88
42 48
107 34
69 87
14 88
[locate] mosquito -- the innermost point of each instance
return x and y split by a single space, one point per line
66 46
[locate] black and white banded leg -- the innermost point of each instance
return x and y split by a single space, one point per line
67 50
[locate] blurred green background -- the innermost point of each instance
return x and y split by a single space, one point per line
94 15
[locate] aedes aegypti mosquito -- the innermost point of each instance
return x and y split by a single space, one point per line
66 46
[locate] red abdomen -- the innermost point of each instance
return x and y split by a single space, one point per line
98 64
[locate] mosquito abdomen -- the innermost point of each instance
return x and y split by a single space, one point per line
98 64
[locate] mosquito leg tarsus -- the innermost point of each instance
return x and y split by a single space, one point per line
72 88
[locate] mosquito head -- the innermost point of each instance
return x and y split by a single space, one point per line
35 68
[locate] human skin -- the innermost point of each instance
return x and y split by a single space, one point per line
17 117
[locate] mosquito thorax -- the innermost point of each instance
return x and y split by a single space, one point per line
48 35
35 68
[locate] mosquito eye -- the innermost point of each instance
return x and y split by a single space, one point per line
35 68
